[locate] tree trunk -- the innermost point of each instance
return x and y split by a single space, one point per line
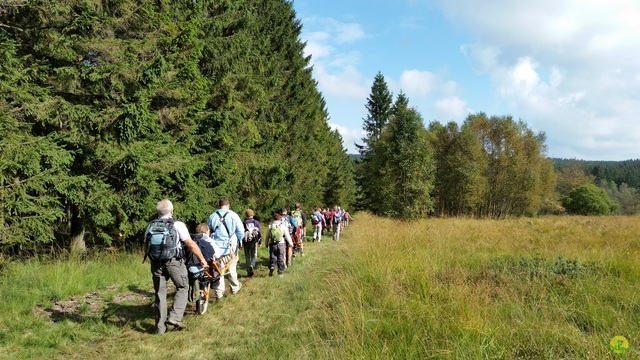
76 232
78 245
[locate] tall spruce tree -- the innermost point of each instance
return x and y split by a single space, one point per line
378 106
408 172
369 173
34 169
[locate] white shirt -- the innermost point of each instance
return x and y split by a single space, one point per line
181 228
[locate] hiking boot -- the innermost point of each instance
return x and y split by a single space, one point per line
179 325
271 272
250 271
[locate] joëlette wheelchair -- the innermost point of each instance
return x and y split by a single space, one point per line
203 281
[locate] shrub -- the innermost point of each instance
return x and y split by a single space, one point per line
589 200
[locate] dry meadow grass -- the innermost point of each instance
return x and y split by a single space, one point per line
533 288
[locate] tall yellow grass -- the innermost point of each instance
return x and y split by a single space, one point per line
556 287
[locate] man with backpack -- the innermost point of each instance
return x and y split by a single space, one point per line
278 238
252 240
164 241
227 230
318 222
337 223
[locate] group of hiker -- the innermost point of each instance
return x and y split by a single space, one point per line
172 249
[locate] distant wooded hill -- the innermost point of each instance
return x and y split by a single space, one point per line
627 171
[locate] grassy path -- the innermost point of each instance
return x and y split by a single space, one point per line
109 315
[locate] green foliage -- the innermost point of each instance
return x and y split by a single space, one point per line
395 173
378 107
460 183
626 196
408 167
627 171
589 200
128 102
572 175
489 167
340 180
518 175
33 168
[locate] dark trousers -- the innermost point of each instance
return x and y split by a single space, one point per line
251 253
277 253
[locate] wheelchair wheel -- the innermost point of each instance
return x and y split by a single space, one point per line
203 299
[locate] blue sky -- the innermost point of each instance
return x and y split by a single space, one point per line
568 68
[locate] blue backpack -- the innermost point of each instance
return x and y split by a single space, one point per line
162 241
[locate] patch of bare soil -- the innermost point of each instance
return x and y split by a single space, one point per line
108 305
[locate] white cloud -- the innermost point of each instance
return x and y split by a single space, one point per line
347 32
451 109
334 68
347 84
417 83
524 76
350 136
568 68
483 58
317 45
435 97
344 60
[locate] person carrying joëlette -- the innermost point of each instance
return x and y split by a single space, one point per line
227 230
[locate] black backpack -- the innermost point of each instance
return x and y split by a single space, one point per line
205 248
162 241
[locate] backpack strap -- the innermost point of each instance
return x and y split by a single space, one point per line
222 217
